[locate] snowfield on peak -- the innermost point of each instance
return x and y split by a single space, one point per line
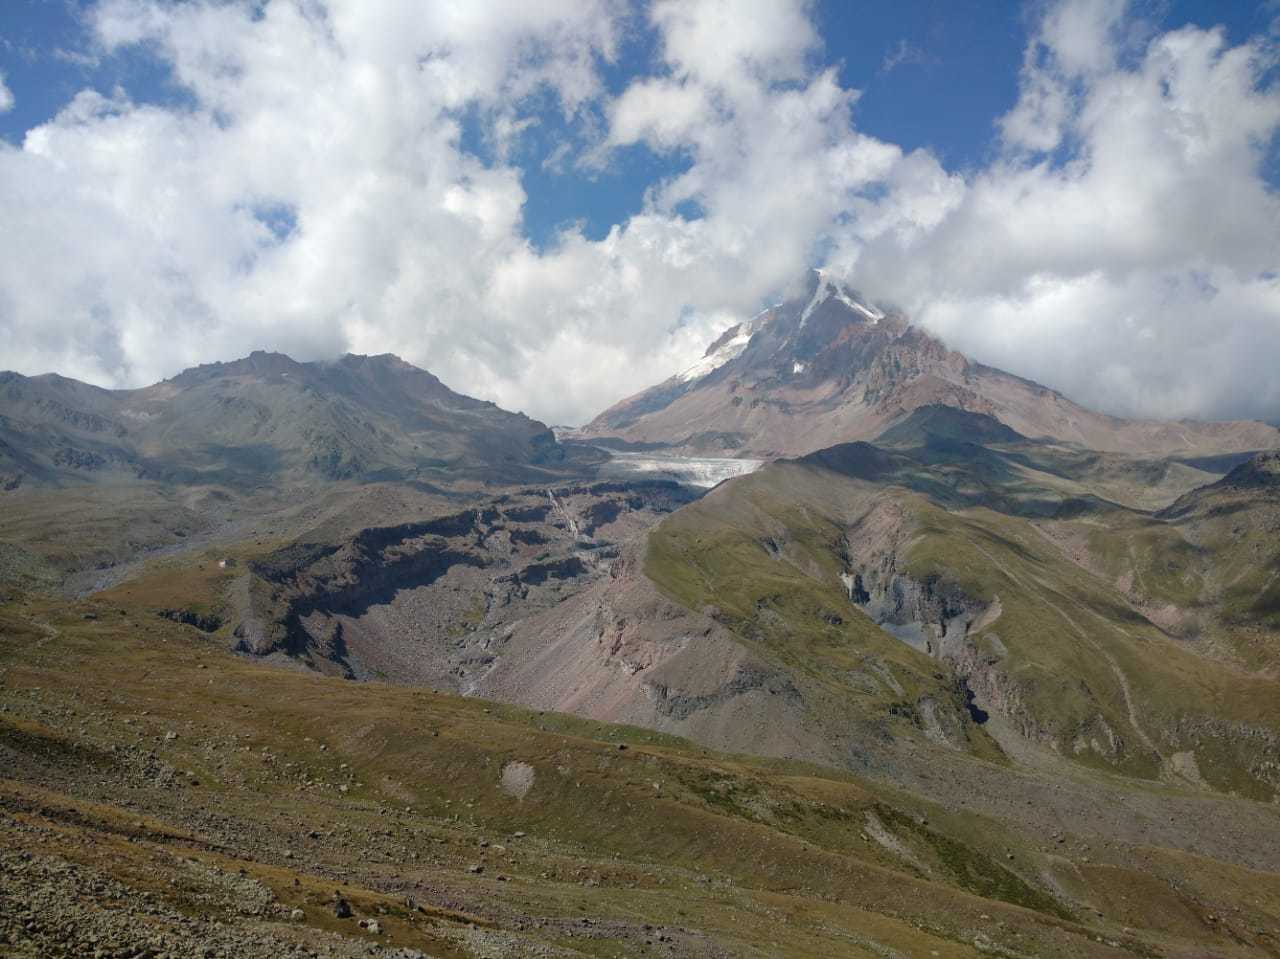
734 347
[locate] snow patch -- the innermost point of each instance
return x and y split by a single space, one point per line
729 350
709 364
873 315
827 289
820 294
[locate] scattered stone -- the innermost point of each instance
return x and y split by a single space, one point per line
517 779
341 908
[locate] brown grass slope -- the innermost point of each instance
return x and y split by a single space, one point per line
159 793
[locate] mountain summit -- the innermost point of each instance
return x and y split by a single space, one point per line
256 418
829 367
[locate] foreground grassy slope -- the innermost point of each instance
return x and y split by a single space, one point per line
135 751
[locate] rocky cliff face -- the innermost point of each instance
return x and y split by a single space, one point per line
828 368
936 617
438 601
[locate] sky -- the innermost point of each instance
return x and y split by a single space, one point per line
554 204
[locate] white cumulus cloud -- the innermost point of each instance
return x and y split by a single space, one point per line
316 192
1124 245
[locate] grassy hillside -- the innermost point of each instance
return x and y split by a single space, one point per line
765 559
213 800
1072 623
1049 708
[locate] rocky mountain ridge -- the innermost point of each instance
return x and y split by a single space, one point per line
265 418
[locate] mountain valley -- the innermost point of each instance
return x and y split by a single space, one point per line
639 479
838 644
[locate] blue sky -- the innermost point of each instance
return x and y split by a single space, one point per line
932 73
508 191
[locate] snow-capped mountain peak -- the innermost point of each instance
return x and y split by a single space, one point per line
827 288
735 340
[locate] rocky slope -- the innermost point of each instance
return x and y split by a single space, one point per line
436 602
264 419
828 368
540 597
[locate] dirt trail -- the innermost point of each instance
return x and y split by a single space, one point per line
50 631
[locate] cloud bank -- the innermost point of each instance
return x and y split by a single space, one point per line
1124 245
314 191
